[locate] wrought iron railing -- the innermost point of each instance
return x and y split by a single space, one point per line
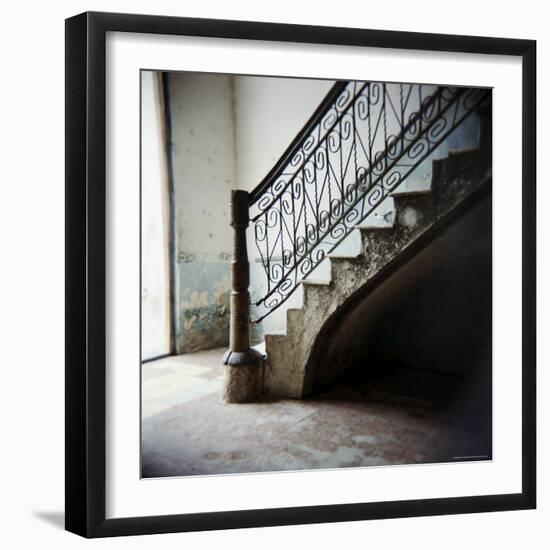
359 146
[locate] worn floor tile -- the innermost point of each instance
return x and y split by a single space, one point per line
403 417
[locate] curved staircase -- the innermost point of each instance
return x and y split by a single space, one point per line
456 180
358 152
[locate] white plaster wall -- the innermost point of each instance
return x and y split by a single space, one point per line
269 112
203 153
155 326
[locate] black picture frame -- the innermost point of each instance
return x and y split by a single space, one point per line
86 269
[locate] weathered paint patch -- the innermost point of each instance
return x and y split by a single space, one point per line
203 305
410 217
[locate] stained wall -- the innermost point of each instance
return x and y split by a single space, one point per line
204 172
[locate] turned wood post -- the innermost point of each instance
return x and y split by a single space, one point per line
243 364
239 331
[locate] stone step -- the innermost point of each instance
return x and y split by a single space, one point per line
315 292
457 176
293 318
374 239
413 210
274 340
316 282
411 193
347 273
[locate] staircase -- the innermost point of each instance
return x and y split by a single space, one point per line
356 153
459 179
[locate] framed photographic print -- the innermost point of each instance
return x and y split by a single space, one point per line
300 274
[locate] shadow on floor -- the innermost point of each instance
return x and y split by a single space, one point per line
57 519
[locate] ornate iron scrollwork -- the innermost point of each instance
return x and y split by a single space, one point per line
357 150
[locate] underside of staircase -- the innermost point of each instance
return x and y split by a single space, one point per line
457 182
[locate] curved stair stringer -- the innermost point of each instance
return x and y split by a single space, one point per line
454 179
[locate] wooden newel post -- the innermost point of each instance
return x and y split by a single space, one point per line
244 365
240 275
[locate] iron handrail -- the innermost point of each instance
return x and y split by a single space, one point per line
284 198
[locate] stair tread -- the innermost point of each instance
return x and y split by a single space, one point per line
354 259
457 153
343 256
274 335
316 282
371 227
411 193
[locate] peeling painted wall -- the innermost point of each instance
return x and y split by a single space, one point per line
203 157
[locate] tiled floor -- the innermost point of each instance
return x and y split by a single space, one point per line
393 416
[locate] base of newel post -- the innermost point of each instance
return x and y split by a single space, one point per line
243 377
